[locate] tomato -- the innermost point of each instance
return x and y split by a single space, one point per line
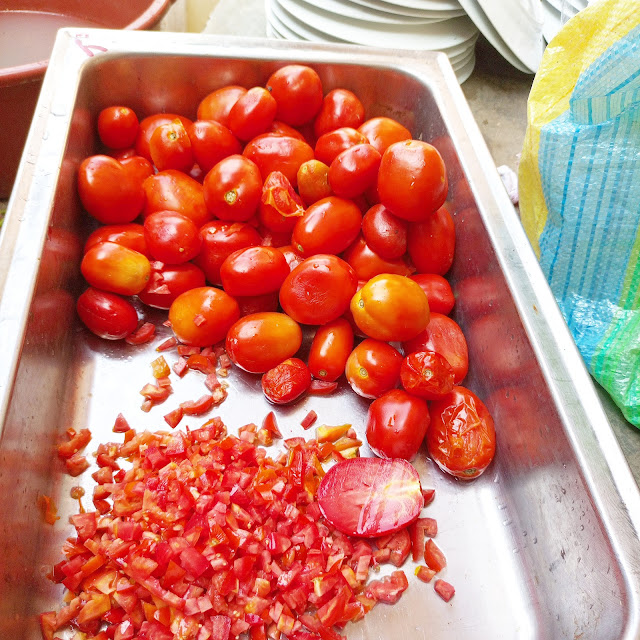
367 263
252 114
219 240
391 307
432 243
172 237
286 382
128 235
218 104
318 290
232 189
412 181
427 374
138 167
369 497
354 170
168 282
256 304
298 91
292 257
438 292
327 226
444 336
260 341
115 268
445 590
382 132
313 181
254 271
109 191
106 314
201 317
389 589
149 125
461 439
117 127
340 108
211 142
273 152
170 147
373 368
330 145
384 233
396 424
280 128
330 348
280 205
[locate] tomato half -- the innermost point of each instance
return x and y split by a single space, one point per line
254 271
286 382
373 368
330 348
298 91
427 374
432 242
107 314
115 268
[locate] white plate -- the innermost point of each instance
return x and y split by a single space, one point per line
564 7
297 29
433 5
463 72
553 21
403 10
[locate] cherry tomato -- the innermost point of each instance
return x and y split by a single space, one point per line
327 226
256 304
260 341
254 271
313 181
232 189
106 314
280 206
330 145
382 132
461 438
412 181
201 317
109 191
211 142
391 307
385 233
298 91
432 242
171 237
444 336
170 147
252 114
286 382
128 235
354 170
396 424
427 374
149 125
370 497
438 291
330 348
280 128
373 368
318 290
117 127
167 282
367 263
273 152
340 108
115 268
139 168
217 105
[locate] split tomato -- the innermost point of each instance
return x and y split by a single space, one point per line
286 382
427 374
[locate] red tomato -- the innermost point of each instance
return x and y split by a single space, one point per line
168 282
412 181
286 382
273 152
217 105
318 290
330 348
313 181
117 127
254 271
298 92
115 268
170 147
396 424
128 235
232 189
138 167
256 304
330 145
109 191
211 142
444 336
373 368
327 226
390 307
106 314
461 438
280 205
149 125
367 263
252 114
291 256
427 374
340 108
201 317
282 129
260 341
438 292
172 237
432 243
383 132
369 497
385 233
354 170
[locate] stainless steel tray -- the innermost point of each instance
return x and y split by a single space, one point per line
544 545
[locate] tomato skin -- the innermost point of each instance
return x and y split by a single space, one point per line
201 317
373 368
260 341
340 108
303 294
252 114
170 147
256 304
432 242
327 226
292 257
168 282
390 307
278 153
354 170
298 91
384 233
286 382
280 206
368 264
382 132
128 235
106 314
211 142
254 271
218 104
412 181
461 438
278 127
172 237
438 292
427 374
313 181
396 424
147 127
330 145
117 127
331 346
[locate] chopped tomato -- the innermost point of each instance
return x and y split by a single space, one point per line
433 556
75 443
141 335
444 590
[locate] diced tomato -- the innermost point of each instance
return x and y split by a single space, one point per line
76 464
322 387
120 425
142 334
444 590
180 367
389 589
428 495
433 557
76 443
160 368
198 407
424 573
167 344
309 419
271 425
86 524
173 417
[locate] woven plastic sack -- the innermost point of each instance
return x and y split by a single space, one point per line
580 188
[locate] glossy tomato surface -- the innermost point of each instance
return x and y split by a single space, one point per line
330 348
427 374
218 104
330 145
212 142
170 147
385 233
298 92
280 205
254 271
117 127
438 292
171 237
354 171
252 114
115 268
286 382
313 181
107 314
432 242
340 108
373 368
128 235
167 282
368 264
148 126
382 132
